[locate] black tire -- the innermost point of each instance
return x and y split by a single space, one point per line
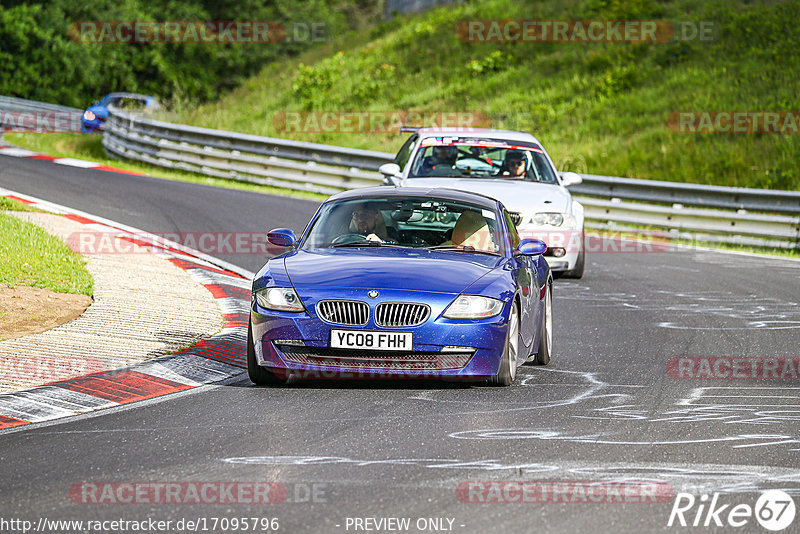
258 375
546 336
577 271
508 365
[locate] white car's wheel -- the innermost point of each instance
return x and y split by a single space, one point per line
580 263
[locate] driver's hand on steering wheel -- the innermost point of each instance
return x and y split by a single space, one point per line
373 237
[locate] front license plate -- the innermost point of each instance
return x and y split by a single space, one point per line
366 340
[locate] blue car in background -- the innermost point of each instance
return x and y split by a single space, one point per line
96 114
402 283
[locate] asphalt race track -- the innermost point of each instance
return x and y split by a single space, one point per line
605 409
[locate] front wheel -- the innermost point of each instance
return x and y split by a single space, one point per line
508 363
546 336
258 374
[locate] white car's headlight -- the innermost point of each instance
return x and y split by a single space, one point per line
88 115
553 219
473 307
279 299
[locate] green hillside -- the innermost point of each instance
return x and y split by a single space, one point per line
600 108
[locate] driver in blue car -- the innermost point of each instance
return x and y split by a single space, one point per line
368 221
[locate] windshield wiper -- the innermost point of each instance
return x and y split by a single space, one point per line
461 248
367 243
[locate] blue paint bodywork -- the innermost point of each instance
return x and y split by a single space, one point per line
414 275
99 110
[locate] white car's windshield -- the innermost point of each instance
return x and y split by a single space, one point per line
418 222
481 158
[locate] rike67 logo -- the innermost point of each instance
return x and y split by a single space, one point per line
774 510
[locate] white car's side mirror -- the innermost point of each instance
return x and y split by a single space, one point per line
570 178
390 169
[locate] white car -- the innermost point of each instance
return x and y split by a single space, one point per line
511 167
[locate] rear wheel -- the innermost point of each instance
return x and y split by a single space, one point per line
508 363
546 337
258 375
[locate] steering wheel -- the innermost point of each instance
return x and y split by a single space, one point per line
348 238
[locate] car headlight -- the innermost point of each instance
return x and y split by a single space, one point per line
473 307
88 115
279 299
551 219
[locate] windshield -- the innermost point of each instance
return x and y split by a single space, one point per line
416 222
481 158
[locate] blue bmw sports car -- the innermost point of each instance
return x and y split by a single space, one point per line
402 282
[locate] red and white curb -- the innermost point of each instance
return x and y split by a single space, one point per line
212 360
16 152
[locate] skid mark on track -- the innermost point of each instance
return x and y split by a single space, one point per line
741 440
776 408
697 478
699 310
589 385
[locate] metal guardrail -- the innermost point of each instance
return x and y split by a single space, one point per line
708 196
18 114
736 227
715 213
11 103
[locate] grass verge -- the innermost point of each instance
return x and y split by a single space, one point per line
29 256
7 204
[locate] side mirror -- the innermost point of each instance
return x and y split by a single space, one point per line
570 178
282 237
532 247
390 169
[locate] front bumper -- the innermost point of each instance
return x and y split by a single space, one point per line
298 344
569 240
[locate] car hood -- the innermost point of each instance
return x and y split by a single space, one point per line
388 268
522 197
